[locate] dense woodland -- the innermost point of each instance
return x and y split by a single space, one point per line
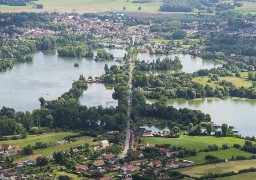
16 2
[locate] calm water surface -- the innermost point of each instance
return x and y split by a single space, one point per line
48 76
190 64
98 94
240 113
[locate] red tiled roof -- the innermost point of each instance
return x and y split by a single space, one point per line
98 162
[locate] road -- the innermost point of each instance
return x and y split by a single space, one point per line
128 129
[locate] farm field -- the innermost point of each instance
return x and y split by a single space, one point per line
245 176
248 7
198 171
194 142
86 6
221 154
238 82
44 138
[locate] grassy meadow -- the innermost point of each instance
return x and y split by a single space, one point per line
245 176
198 171
238 82
201 142
194 142
221 154
44 138
83 6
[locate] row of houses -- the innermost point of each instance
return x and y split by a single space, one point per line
8 150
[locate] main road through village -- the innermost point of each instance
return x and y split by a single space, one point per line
128 129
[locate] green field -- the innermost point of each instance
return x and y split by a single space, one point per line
245 176
83 6
221 154
194 142
64 147
44 138
238 82
248 7
198 171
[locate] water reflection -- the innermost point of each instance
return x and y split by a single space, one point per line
190 63
237 112
98 94
48 76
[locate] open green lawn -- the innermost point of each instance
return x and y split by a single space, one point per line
198 171
157 40
238 82
245 176
51 150
194 142
221 154
32 139
91 6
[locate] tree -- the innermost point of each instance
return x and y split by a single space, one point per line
199 129
209 128
42 161
39 6
27 150
179 34
224 129
190 127
176 130
61 157
29 58
42 101
124 8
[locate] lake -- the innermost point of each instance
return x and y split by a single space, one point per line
240 113
98 94
190 64
48 76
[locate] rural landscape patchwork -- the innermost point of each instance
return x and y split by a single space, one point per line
127 89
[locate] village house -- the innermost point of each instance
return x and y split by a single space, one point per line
14 151
81 169
62 142
107 156
140 131
156 164
187 163
138 154
103 144
147 134
114 168
171 164
33 158
143 145
6 147
130 167
139 162
18 163
98 163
